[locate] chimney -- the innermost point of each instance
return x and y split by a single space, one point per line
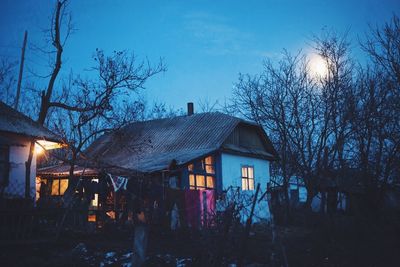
190 109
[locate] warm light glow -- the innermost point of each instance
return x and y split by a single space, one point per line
39 149
318 66
91 217
111 214
48 145
42 145
95 201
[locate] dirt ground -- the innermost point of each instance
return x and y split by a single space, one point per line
322 245
115 249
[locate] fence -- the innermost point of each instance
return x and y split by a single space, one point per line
21 222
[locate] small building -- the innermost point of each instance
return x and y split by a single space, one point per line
204 152
17 131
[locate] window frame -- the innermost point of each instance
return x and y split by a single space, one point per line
246 178
58 181
196 173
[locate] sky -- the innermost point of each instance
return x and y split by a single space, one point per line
205 44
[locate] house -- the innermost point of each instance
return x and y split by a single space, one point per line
17 131
207 151
197 151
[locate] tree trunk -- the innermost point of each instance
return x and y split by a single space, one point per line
44 107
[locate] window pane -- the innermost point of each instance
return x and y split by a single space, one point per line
244 171
210 160
210 182
244 184
210 169
54 187
191 180
251 184
200 180
63 186
250 172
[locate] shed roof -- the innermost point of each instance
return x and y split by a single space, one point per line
152 145
13 121
62 170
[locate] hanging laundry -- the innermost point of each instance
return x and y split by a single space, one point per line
175 222
118 182
209 208
200 207
192 206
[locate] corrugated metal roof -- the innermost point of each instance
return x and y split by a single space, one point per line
152 145
13 121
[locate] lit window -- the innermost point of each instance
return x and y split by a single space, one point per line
201 174
209 165
198 182
247 178
210 181
59 186
95 200
192 181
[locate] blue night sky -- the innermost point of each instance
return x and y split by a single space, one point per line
205 44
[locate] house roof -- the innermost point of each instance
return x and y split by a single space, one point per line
152 145
62 170
13 121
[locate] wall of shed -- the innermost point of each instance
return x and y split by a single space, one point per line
19 152
231 167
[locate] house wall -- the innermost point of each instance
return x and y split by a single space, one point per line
231 168
19 152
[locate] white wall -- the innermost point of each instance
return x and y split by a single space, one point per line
18 156
231 176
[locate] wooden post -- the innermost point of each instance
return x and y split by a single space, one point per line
21 69
28 165
247 228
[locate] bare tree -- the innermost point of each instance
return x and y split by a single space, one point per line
207 105
307 116
281 100
117 75
383 47
159 110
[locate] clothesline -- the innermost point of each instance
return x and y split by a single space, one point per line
118 182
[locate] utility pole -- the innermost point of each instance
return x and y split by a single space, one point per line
21 69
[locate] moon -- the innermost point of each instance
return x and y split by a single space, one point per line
318 66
